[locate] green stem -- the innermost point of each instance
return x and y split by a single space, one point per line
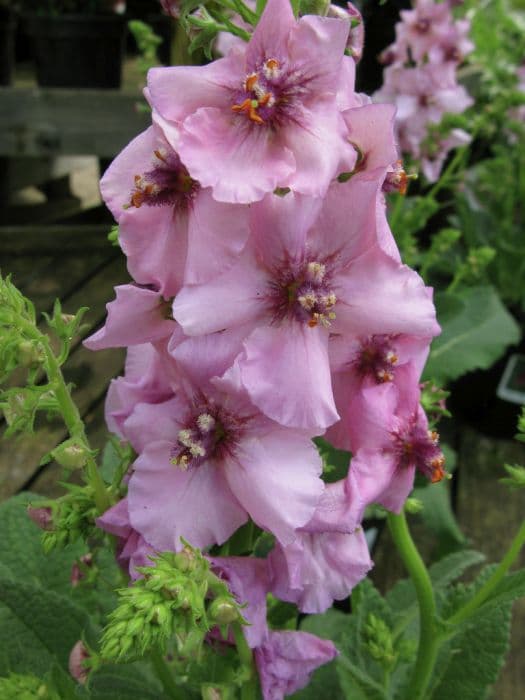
165 676
249 687
70 413
429 638
500 572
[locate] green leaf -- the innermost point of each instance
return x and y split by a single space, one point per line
476 331
37 627
21 549
335 462
438 516
470 663
125 682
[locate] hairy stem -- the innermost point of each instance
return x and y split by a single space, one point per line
249 687
70 413
429 637
165 676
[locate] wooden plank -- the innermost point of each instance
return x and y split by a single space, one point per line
89 371
54 237
50 122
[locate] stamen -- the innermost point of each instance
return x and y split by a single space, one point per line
316 271
206 422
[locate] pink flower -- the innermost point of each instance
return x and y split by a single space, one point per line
318 568
132 549
262 117
208 460
391 438
78 656
286 660
309 270
247 578
164 214
365 361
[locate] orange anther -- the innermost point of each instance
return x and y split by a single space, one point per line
137 199
250 108
265 99
272 64
251 81
159 155
312 323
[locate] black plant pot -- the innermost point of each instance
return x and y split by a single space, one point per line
7 45
78 50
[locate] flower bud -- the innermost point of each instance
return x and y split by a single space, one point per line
70 454
29 354
413 506
79 654
43 517
223 611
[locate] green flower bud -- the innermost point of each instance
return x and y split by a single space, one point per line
223 611
413 506
30 353
70 454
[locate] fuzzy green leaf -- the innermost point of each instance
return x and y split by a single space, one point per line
476 331
37 627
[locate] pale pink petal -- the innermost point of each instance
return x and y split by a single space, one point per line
380 480
137 315
286 373
178 91
270 37
286 660
280 225
217 233
153 422
239 159
231 300
378 295
154 240
276 479
167 503
117 183
318 142
317 45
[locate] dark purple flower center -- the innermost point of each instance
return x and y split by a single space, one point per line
415 446
210 432
270 95
167 184
423 25
376 358
303 292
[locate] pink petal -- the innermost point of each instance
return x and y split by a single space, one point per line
154 240
136 316
276 479
286 373
378 295
217 233
240 160
228 301
179 91
270 37
167 503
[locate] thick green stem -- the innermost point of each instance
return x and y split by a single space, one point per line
429 637
500 572
165 676
249 687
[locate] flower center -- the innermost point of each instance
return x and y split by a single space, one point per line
211 432
304 295
419 448
263 95
376 358
167 184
